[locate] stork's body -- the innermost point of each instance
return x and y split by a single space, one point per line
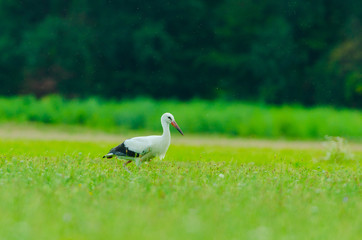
141 149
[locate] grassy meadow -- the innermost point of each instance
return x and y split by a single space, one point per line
55 185
237 119
63 189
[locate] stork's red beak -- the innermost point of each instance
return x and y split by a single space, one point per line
173 123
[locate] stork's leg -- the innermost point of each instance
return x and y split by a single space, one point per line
125 164
145 157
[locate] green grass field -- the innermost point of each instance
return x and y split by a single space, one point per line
63 189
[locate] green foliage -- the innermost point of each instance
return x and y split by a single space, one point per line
64 190
305 52
212 117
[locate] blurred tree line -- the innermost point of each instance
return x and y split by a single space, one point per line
276 51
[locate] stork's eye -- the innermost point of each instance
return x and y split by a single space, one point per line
169 117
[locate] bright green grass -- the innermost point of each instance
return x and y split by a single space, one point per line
212 117
64 190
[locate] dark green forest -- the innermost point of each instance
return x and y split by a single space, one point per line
273 51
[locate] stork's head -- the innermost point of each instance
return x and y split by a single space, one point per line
169 119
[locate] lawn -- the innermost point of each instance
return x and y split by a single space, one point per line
63 189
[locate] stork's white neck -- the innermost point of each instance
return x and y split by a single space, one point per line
166 130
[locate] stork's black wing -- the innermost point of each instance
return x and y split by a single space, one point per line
121 151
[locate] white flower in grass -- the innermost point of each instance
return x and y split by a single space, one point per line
221 175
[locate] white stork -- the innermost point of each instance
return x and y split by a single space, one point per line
141 149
